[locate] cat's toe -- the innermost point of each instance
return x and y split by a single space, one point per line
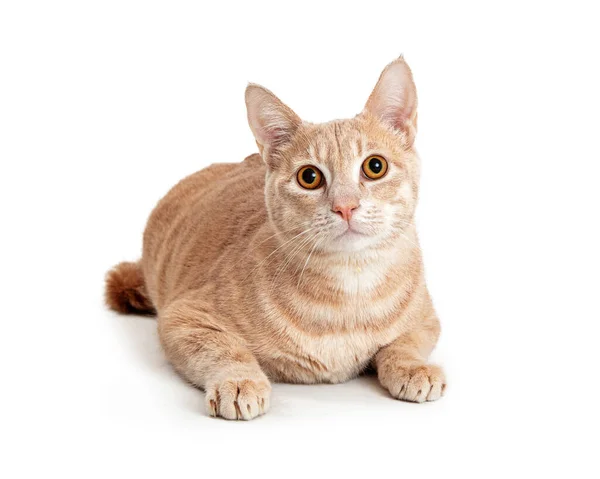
415 383
238 398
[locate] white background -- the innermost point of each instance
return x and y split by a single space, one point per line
105 105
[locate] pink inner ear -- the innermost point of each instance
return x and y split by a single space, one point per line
271 121
396 106
394 99
394 116
277 135
277 128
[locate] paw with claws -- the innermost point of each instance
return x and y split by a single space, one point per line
238 398
416 382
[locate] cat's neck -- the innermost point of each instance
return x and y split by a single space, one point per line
348 272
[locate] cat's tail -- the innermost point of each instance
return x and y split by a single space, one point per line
126 290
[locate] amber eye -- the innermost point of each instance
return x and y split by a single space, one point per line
375 167
310 177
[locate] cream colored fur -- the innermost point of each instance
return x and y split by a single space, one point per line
256 279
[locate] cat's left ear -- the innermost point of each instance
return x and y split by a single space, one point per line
394 99
272 122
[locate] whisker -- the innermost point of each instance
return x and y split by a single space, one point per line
289 259
274 251
319 241
299 225
410 240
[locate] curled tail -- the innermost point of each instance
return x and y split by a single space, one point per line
126 290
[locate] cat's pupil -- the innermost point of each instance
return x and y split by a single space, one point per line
375 165
309 176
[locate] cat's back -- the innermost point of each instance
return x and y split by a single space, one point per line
197 219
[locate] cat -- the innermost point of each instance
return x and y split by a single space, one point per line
300 264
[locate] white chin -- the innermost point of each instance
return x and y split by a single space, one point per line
350 241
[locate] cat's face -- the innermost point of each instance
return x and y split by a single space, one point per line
347 185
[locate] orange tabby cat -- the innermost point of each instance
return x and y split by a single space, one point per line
301 264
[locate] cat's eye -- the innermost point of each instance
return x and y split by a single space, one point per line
375 167
310 177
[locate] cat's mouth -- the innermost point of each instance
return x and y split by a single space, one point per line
351 238
350 232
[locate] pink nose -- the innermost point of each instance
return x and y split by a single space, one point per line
345 210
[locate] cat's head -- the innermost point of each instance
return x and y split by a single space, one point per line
345 185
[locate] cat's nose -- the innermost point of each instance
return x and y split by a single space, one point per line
345 209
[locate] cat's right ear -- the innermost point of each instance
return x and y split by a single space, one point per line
272 122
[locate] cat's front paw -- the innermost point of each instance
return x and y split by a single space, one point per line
416 382
238 398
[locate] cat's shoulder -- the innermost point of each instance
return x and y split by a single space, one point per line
253 160
218 173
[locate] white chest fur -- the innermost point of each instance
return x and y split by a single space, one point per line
338 357
359 278
333 341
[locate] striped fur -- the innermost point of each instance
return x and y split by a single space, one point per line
255 278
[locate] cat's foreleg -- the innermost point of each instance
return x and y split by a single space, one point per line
402 366
210 356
